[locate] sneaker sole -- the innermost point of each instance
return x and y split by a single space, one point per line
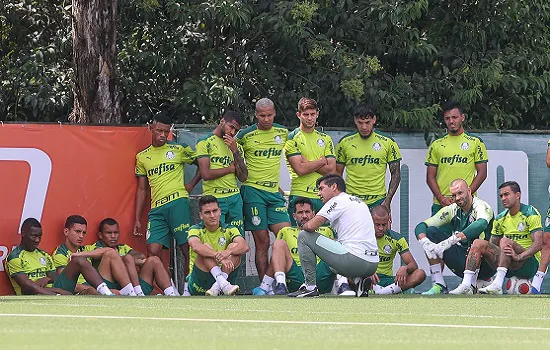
232 291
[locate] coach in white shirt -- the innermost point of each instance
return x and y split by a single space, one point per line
354 254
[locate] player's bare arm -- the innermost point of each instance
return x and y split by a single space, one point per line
194 181
207 173
141 193
527 253
395 180
241 171
340 169
481 175
29 287
239 248
548 157
431 172
200 248
314 223
329 168
302 166
94 254
405 270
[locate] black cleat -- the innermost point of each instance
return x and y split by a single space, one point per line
363 286
280 289
304 293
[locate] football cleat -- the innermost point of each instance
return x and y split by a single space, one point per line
436 289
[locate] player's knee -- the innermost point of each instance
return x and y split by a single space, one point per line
128 259
505 242
478 244
279 244
546 241
79 261
420 276
111 254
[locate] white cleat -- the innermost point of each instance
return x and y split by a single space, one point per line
490 289
214 291
462 289
230 289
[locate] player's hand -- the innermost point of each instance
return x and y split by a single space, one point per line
189 187
227 265
509 251
231 143
445 201
137 228
375 279
74 255
139 262
401 276
222 255
428 247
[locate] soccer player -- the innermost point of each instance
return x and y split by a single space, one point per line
216 250
31 270
390 243
106 260
285 268
458 154
221 163
161 165
536 285
151 269
516 241
263 204
447 235
309 154
365 154
354 255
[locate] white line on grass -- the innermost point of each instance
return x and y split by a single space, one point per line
322 323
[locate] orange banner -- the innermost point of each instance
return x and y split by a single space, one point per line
52 171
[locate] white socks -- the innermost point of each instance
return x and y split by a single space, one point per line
499 279
219 276
138 291
280 277
170 291
537 280
391 289
267 283
103 289
128 290
437 276
468 277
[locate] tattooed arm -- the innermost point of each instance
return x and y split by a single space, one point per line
395 172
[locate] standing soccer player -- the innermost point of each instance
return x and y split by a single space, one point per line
161 165
458 154
221 163
309 154
263 204
365 154
515 243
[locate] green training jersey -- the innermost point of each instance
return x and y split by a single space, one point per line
36 265
388 245
366 160
220 156
163 167
122 249
311 146
218 240
61 257
290 235
262 153
459 220
455 158
519 227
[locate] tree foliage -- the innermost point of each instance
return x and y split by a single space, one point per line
194 58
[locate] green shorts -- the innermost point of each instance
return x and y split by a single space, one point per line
146 288
455 257
64 283
262 208
324 277
110 285
199 281
174 217
232 211
317 205
527 271
385 280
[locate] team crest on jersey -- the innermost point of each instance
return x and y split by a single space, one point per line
521 226
43 261
170 155
256 220
376 146
387 249
221 241
321 142
147 234
465 146
471 219
547 221
278 139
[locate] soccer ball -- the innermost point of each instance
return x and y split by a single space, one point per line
517 285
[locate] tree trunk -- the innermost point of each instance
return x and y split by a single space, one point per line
96 99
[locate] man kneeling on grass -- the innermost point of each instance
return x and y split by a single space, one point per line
32 271
215 252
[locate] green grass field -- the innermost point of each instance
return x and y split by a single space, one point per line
409 321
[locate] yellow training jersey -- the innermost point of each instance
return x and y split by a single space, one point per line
519 227
36 265
455 158
311 146
218 240
290 235
122 249
213 147
62 254
388 245
262 153
164 167
366 160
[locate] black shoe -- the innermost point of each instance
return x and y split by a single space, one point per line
363 286
280 289
303 292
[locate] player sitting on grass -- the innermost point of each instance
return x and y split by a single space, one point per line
285 262
447 236
516 241
216 251
32 271
389 243
106 260
151 269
